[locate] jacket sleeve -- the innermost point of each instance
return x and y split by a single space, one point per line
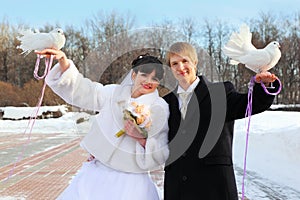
75 89
237 102
156 151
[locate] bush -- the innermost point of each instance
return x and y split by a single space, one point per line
9 95
32 90
28 95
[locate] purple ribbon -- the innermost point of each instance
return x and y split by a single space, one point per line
272 93
248 114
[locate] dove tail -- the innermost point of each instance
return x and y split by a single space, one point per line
26 41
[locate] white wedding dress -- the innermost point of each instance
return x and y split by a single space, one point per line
96 181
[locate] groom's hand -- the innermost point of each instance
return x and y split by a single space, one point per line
265 77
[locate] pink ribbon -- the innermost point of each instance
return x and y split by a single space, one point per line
33 117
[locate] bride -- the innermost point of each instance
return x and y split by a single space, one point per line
119 165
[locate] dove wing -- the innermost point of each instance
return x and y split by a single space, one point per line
256 59
35 41
42 41
246 36
239 44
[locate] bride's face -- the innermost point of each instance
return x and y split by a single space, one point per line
144 83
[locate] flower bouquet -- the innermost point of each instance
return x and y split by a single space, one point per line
140 115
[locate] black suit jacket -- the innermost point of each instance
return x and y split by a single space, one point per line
200 162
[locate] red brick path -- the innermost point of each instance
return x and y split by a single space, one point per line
40 176
44 175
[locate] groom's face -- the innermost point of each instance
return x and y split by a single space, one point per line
183 68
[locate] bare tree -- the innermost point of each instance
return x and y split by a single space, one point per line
189 28
105 46
110 40
5 41
77 47
289 64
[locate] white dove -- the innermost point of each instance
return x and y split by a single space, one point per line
30 40
240 49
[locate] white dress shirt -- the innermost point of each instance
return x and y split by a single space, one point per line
190 90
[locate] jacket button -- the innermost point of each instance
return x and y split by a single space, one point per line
184 178
183 132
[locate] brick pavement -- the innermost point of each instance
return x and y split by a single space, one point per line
43 175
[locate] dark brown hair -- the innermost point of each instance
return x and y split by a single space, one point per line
147 64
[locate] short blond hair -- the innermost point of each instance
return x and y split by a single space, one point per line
182 49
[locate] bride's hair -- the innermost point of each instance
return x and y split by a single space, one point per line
146 63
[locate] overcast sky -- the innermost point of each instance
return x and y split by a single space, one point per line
39 13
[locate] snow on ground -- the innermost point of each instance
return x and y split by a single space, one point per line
65 124
274 146
19 112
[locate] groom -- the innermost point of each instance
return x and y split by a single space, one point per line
201 126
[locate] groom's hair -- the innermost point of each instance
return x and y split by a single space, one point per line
182 49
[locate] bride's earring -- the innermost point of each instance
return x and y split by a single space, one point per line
133 76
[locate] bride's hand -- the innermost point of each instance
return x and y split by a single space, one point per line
57 55
132 131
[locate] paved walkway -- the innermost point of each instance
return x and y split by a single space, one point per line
40 168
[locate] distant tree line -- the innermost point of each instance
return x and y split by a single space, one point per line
104 46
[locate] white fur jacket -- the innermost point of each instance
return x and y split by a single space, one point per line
121 153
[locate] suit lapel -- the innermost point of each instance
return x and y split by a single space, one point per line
200 92
175 106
